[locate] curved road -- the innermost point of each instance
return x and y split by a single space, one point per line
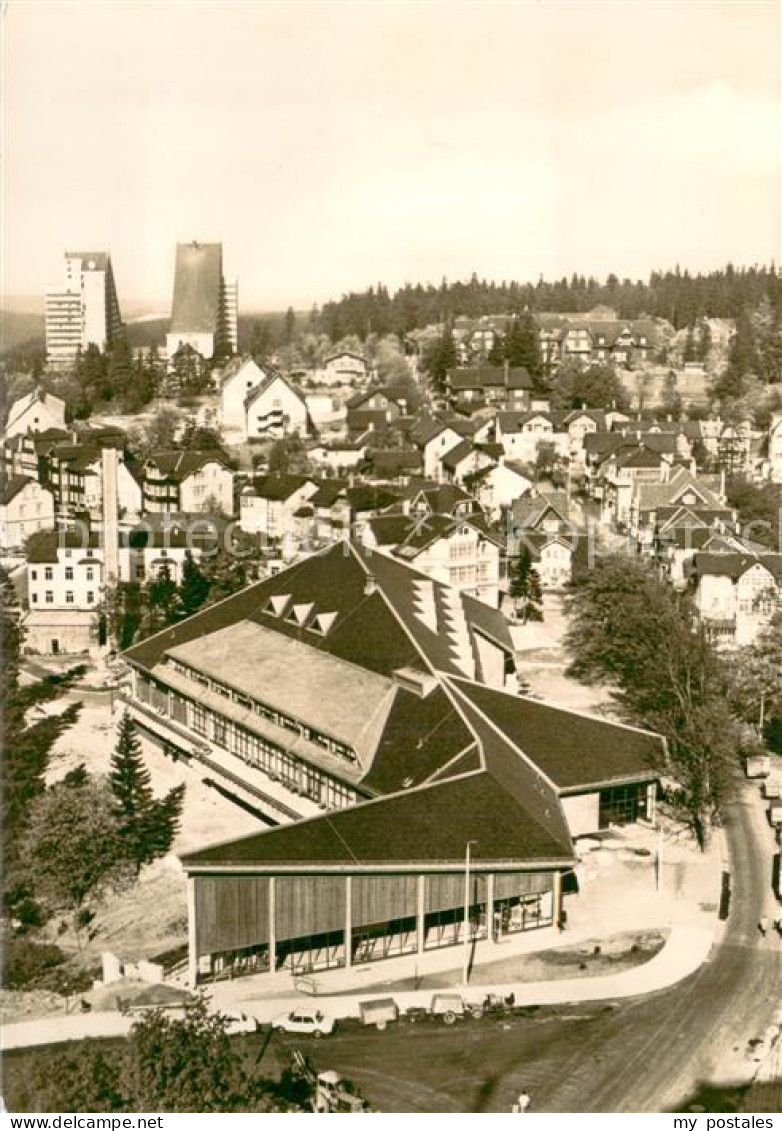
645 1054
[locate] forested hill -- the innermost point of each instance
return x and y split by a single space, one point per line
677 296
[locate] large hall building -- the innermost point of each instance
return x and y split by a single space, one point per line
372 715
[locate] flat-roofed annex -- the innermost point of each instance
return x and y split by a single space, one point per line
332 696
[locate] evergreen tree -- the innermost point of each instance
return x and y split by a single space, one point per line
129 777
120 368
146 827
671 397
522 347
194 587
525 588
290 324
160 601
497 353
690 353
440 358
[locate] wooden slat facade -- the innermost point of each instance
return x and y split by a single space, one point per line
446 891
508 884
309 905
380 899
231 912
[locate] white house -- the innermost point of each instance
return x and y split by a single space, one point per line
520 434
35 412
25 508
461 553
65 577
326 411
189 482
501 485
239 378
268 505
339 455
274 409
736 594
341 368
434 447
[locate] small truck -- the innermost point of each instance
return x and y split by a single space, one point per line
448 1008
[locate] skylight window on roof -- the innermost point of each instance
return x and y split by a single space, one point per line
300 613
322 623
277 604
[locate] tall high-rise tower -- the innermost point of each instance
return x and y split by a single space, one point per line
85 311
204 309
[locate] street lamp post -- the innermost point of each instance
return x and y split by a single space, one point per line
466 963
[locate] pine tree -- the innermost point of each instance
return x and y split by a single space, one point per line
146 827
162 824
120 371
525 588
690 352
194 588
496 355
522 347
129 778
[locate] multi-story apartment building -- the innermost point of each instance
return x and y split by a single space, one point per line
204 310
84 311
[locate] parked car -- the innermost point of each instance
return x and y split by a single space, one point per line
452 1006
304 1021
240 1023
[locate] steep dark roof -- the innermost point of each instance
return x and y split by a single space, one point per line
394 461
278 486
41 547
10 488
177 465
573 750
454 456
489 377
198 276
734 565
256 393
443 498
328 492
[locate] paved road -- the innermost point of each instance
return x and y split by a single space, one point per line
644 1054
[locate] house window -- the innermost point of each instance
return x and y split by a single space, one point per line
89 553
69 597
34 598
49 597
34 574
90 596
90 574
48 574
69 573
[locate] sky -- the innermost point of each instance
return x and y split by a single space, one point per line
329 146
